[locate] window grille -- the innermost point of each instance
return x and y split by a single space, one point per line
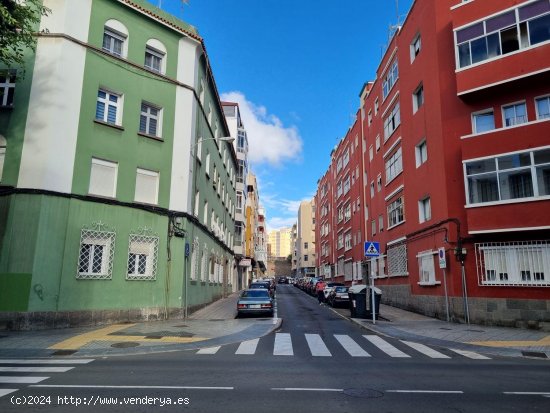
142 256
397 260
522 263
95 258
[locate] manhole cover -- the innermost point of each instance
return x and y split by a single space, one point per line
364 393
125 344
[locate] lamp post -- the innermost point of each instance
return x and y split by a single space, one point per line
195 172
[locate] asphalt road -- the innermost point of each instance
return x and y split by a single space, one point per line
316 362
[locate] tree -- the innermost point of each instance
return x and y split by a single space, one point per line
19 21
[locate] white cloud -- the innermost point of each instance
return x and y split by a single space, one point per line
280 222
269 140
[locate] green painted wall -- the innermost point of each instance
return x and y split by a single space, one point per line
14 291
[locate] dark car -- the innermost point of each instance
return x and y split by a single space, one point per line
338 296
255 301
282 280
263 285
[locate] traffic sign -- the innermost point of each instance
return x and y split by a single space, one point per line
372 249
442 258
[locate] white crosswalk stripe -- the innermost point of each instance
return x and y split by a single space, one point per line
248 347
386 347
317 346
430 352
470 354
351 346
209 350
283 345
14 366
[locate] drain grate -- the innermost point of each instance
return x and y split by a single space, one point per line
538 354
364 393
125 344
64 352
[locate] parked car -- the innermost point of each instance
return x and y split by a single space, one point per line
338 296
255 301
329 287
263 285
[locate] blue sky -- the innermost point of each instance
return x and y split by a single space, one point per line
296 67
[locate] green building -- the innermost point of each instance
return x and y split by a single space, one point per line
117 179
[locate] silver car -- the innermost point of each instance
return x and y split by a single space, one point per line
255 301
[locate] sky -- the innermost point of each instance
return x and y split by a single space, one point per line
296 68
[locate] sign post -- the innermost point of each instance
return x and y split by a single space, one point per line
372 250
443 265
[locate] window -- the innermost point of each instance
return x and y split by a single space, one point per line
369 117
207 165
347 212
95 257
147 186
340 214
424 210
421 153
483 121
306 258
418 98
513 263
372 189
7 88
196 209
103 178
155 53
397 260
3 145
108 107
340 241
347 185
515 114
142 257
373 227
377 142
415 47
347 241
150 120
390 80
306 246
504 33
371 152
379 183
205 213
516 176
426 268
380 223
392 121
376 107
394 165
396 213
113 42
543 107
239 202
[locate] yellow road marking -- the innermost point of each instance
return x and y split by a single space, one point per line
545 342
105 334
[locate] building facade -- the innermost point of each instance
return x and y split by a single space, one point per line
305 240
280 241
127 210
455 130
237 130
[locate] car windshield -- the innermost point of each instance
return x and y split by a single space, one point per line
254 294
341 289
259 285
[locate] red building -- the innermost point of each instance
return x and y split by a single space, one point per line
456 128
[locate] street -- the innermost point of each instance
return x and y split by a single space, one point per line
316 362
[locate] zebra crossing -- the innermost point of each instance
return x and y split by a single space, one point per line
284 344
17 372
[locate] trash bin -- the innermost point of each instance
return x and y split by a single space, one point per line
377 298
358 301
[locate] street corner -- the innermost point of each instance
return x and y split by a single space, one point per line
122 336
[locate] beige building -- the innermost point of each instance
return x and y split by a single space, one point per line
280 242
305 239
255 240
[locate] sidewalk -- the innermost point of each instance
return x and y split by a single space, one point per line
214 325
496 341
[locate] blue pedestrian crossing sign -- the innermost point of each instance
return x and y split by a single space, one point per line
372 249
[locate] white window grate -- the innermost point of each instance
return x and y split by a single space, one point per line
95 258
143 256
521 263
397 260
